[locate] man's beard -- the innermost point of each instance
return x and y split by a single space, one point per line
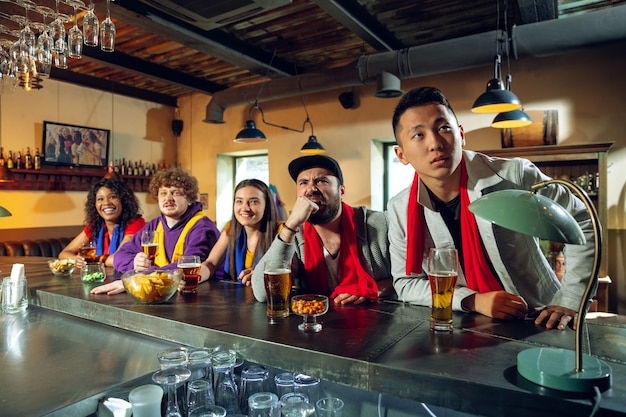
327 212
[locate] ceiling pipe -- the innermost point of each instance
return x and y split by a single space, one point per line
535 39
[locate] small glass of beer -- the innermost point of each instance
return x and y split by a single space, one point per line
149 244
443 270
191 273
277 280
88 251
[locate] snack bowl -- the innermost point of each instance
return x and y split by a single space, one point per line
309 306
62 267
93 272
152 287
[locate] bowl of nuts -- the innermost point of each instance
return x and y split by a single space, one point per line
309 306
62 267
152 287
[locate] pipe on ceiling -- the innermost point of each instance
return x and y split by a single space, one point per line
545 38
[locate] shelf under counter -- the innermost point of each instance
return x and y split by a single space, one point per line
384 347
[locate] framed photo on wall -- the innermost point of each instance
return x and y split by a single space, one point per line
64 144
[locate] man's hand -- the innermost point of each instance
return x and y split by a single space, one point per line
555 316
497 304
302 209
348 299
141 262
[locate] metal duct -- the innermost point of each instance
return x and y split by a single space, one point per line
535 39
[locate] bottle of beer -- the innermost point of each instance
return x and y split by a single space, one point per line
37 159
10 162
28 159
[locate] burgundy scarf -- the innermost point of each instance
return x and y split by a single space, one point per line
478 275
353 279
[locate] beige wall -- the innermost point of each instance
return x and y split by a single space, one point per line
585 87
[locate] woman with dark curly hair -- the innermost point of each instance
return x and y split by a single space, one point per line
247 236
181 229
112 217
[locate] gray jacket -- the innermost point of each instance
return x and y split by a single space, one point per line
371 240
516 258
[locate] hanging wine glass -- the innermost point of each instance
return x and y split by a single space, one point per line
57 30
75 35
107 32
45 43
90 26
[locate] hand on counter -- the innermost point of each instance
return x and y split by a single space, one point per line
111 288
554 316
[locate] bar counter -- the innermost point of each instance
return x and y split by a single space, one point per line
383 347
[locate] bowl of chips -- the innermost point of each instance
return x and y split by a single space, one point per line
62 267
152 287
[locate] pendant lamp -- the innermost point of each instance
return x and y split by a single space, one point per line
496 98
250 133
513 118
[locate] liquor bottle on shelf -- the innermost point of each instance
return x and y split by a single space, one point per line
19 164
37 159
2 161
28 159
10 161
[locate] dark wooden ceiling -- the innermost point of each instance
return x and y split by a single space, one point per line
160 57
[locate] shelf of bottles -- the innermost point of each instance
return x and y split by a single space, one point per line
30 172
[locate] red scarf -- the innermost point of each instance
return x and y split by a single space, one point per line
353 278
478 275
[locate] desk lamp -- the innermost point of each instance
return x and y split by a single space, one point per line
538 216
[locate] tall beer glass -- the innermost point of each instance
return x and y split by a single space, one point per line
277 279
443 271
149 244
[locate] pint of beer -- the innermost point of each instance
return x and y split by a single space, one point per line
191 273
277 280
149 244
443 270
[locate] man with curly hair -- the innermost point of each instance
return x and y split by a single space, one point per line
181 228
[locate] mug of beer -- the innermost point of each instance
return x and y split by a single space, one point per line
149 244
443 270
191 273
277 280
88 250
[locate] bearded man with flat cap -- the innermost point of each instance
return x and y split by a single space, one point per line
335 249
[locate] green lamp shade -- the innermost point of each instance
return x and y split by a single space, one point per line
529 213
496 99
510 119
312 146
250 133
4 212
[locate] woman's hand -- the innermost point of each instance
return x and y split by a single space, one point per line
111 288
246 276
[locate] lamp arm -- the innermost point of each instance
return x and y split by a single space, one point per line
593 279
256 106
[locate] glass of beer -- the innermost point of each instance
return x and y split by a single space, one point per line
191 273
149 244
443 270
277 280
88 251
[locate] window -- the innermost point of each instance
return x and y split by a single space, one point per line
397 175
388 175
231 169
